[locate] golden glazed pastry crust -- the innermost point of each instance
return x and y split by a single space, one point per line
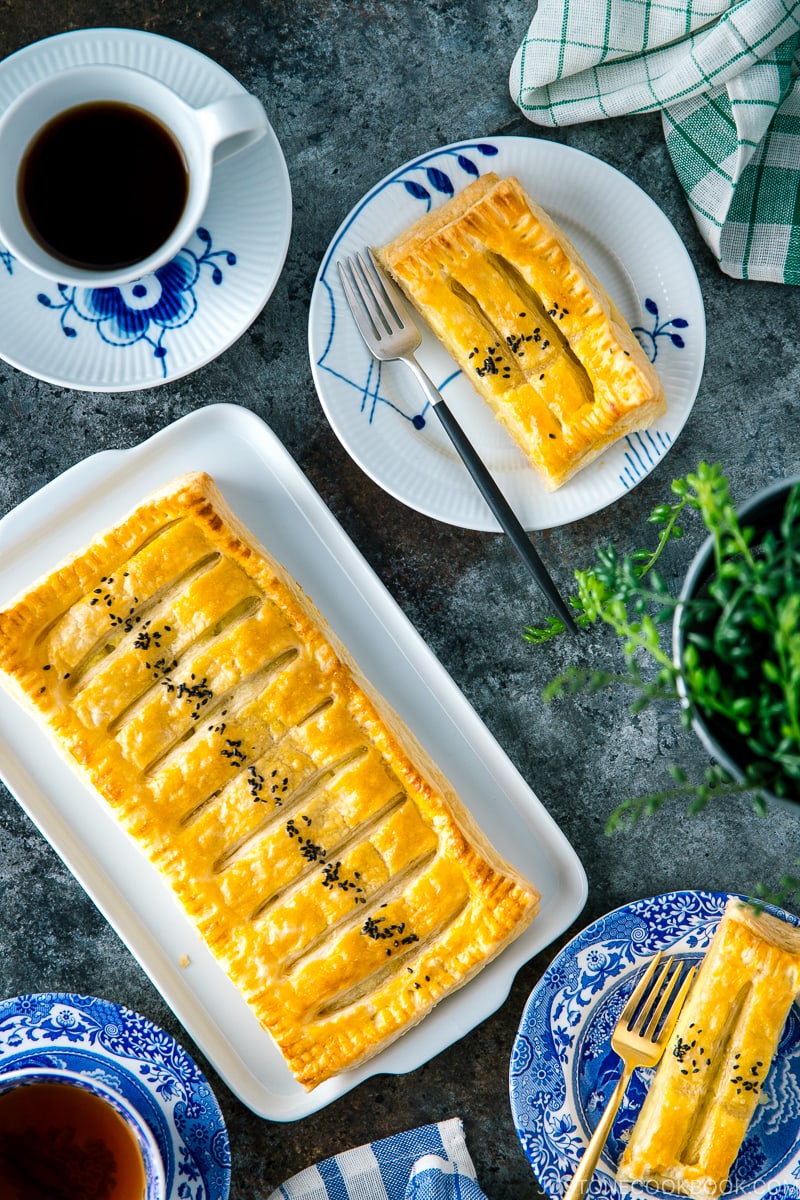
321 854
707 1086
530 326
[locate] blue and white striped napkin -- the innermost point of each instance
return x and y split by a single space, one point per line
429 1163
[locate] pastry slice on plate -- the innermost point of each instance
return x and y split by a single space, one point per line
322 855
530 326
710 1081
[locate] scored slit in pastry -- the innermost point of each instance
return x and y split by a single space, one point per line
710 1080
530 326
324 858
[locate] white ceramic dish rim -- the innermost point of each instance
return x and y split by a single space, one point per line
261 480
134 47
598 207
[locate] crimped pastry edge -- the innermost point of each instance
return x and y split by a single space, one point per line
438 220
199 491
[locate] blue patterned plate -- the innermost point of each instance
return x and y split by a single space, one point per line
140 1061
167 324
563 1069
377 410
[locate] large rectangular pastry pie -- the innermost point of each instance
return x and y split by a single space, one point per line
711 1079
326 861
528 323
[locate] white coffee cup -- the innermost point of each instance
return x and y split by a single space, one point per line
204 137
68 1139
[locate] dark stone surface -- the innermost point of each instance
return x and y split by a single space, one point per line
352 90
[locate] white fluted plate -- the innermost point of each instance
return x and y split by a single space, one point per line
377 410
169 323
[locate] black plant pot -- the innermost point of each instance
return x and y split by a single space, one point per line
763 512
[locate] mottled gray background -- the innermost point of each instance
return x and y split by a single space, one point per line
354 90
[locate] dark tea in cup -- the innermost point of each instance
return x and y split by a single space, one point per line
107 171
60 1140
128 184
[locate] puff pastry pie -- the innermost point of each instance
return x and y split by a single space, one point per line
538 336
706 1087
322 855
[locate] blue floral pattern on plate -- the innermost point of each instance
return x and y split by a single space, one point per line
139 1060
379 414
563 1069
146 309
648 338
423 181
127 340
438 179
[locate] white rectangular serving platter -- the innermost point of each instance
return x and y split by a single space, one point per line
267 490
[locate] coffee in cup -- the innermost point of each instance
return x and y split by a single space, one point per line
140 174
68 1135
107 171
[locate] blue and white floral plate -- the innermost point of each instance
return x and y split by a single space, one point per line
377 410
563 1069
138 1060
167 324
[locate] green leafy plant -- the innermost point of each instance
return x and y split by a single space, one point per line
740 667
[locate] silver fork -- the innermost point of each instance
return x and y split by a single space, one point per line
386 325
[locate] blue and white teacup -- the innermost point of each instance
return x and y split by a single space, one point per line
68 1132
102 185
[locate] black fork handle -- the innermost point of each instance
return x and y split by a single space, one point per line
502 510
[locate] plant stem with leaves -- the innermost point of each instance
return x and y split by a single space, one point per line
741 662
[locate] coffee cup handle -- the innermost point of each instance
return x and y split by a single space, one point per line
232 123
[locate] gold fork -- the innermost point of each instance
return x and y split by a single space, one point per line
640 1037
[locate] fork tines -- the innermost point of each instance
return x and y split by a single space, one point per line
650 1000
369 296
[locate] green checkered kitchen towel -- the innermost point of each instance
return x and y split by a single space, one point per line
725 76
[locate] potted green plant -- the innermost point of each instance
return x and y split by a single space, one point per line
726 648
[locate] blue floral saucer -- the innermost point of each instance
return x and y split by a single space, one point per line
167 324
140 1061
563 1069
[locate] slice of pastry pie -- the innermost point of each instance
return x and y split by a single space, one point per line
530 326
709 1082
322 855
